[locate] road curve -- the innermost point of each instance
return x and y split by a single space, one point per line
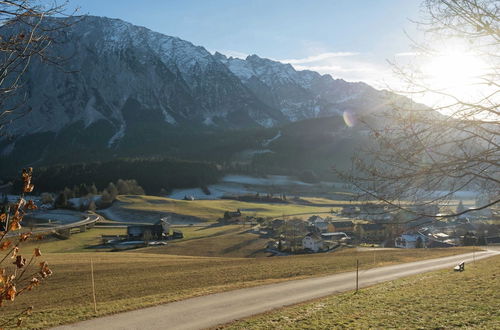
212 310
89 220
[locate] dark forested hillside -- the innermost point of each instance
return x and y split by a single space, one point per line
152 174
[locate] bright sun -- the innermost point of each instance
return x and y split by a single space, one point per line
454 73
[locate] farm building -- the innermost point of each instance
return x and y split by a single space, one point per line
371 231
343 226
411 241
318 222
313 242
145 232
335 236
159 230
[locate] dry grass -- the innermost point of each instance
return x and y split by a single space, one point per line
437 300
210 210
127 281
219 241
79 242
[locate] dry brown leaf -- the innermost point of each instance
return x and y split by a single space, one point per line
20 262
24 236
5 245
14 252
30 205
14 225
11 293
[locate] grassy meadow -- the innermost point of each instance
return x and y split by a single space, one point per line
79 242
217 237
211 210
437 300
130 280
217 241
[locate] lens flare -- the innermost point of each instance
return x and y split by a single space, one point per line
349 119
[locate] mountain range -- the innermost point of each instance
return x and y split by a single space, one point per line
127 91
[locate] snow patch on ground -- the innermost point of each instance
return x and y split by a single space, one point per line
316 110
59 216
168 118
267 142
270 180
90 113
208 121
15 198
78 201
136 216
266 122
117 136
216 192
233 185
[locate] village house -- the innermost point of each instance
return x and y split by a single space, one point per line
145 232
231 217
411 241
159 230
375 212
371 232
335 236
343 226
313 242
334 239
318 222
349 211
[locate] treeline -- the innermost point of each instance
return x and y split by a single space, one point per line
86 195
152 174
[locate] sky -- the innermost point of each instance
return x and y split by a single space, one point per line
349 39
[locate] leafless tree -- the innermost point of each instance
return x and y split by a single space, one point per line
425 155
24 37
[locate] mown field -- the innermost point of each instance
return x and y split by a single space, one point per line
437 300
79 242
211 210
130 280
210 235
218 241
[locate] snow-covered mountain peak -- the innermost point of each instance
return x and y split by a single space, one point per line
128 79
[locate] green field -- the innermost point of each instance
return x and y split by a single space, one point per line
130 280
209 210
87 241
437 300
79 242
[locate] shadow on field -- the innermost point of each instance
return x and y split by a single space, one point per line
240 245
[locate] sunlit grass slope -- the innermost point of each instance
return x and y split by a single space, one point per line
127 281
211 210
79 242
219 241
438 300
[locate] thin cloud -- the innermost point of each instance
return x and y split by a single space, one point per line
319 57
232 53
404 54
350 66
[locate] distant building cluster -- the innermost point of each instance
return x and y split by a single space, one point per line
376 224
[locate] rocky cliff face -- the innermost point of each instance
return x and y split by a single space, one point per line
120 80
300 94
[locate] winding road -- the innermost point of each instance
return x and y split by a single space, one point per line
215 309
